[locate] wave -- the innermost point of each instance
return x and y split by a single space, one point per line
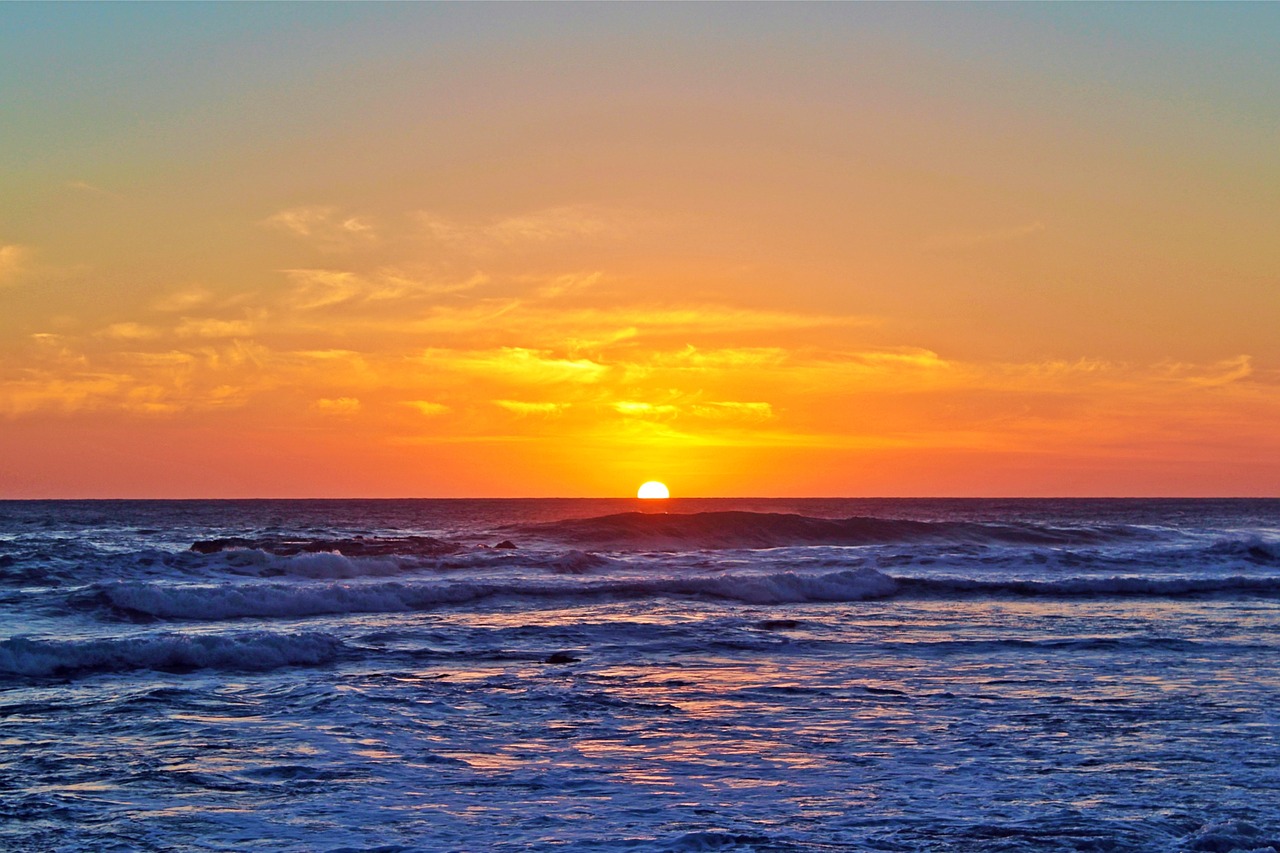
269 600
336 565
739 529
231 601
1229 834
250 650
357 546
1249 548
309 563
582 546
1114 587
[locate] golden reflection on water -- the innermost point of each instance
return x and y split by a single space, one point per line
747 720
490 761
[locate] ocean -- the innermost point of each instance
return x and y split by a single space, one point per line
597 675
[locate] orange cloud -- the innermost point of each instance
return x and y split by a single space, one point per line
427 408
324 225
538 226
517 365
523 408
341 406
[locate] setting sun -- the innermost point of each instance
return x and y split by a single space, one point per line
653 490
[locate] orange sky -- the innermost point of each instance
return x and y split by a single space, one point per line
450 250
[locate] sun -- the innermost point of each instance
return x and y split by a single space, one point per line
653 490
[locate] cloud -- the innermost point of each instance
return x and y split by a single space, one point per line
693 358
563 285
206 327
427 408
548 225
1216 375
722 411
555 223
659 411
518 365
129 331
69 382
46 391
322 288
182 300
393 302
525 409
536 325
93 189
732 410
324 226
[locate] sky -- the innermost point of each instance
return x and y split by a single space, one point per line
401 250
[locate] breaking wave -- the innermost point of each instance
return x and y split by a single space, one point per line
271 600
1252 549
250 650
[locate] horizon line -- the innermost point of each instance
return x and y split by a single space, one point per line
651 501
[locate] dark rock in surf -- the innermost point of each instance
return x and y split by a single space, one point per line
213 546
505 545
779 624
561 657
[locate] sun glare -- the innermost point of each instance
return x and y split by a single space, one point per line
653 490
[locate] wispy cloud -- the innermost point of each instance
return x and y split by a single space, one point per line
183 299
427 408
326 226
322 288
572 283
207 327
538 227
634 409
92 189
130 331
733 410
544 325
45 391
340 406
555 223
693 358
1215 375
518 365
525 409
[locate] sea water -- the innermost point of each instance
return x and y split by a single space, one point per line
779 675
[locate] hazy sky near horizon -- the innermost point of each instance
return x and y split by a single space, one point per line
559 249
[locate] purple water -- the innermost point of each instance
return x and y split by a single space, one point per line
730 675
